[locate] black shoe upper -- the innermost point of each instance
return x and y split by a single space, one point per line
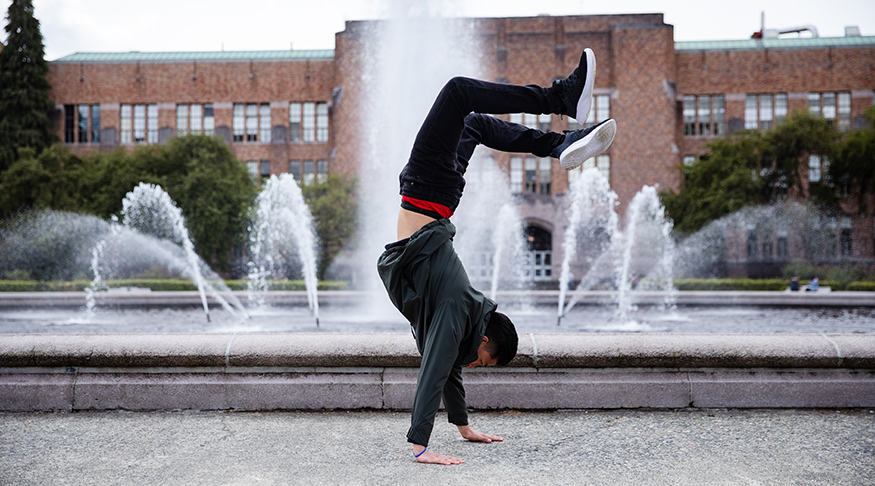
570 88
572 136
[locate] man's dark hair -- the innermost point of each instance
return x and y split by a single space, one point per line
503 339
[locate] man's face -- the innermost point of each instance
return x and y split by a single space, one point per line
483 356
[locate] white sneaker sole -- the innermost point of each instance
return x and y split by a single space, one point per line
585 102
594 143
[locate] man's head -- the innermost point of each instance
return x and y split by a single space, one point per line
499 343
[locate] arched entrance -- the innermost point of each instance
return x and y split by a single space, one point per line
538 260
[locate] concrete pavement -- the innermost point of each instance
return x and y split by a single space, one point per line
681 447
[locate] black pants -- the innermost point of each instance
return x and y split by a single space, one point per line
456 124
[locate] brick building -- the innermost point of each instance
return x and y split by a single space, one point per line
280 111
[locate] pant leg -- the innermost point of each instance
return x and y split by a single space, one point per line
503 136
433 172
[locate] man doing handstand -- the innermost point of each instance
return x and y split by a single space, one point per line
453 324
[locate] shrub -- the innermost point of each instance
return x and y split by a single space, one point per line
861 286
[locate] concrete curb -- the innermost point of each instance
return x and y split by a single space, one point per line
313 371
537 297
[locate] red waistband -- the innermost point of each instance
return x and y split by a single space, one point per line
430 206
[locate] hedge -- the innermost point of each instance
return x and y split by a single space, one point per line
858 286
744 284
153 284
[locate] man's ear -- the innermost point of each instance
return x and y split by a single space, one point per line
485 339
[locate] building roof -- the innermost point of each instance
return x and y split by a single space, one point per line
774 43
137 56
327 54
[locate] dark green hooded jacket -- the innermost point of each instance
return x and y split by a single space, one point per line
428 284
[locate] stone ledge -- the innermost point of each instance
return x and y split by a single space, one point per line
393 389
542 351
313 371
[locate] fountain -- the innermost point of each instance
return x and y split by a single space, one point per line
641 254
592 221
407 60
282 223
411 55
489 243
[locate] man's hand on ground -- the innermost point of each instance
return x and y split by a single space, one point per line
429 457
474 436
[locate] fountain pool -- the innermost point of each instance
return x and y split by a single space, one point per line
342 316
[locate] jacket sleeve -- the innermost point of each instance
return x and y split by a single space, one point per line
438 358
454 398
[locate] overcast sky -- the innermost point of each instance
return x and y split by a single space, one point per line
70 26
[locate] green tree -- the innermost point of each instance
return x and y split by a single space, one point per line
749 168
44 181
24 88
853 162
720 183
209 184
334 208
213 189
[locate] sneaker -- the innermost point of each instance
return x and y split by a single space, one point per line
576 90
583 144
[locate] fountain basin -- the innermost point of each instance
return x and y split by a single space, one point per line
535 297
319 371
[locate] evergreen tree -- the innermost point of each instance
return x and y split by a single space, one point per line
24 89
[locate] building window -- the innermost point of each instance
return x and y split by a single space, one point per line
264 122
81 123
752 244
600 111
309 173
295 169
252 167
246 120
126 124
69 124
814 168
264 168
780 107
844 107
139 123
516 175
835 108
321 122
845 237
538 258
545 166
196 119
761 112
768 249
531 175
295 122
689 160
783 248
308 122
251 122
321 171
704 115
